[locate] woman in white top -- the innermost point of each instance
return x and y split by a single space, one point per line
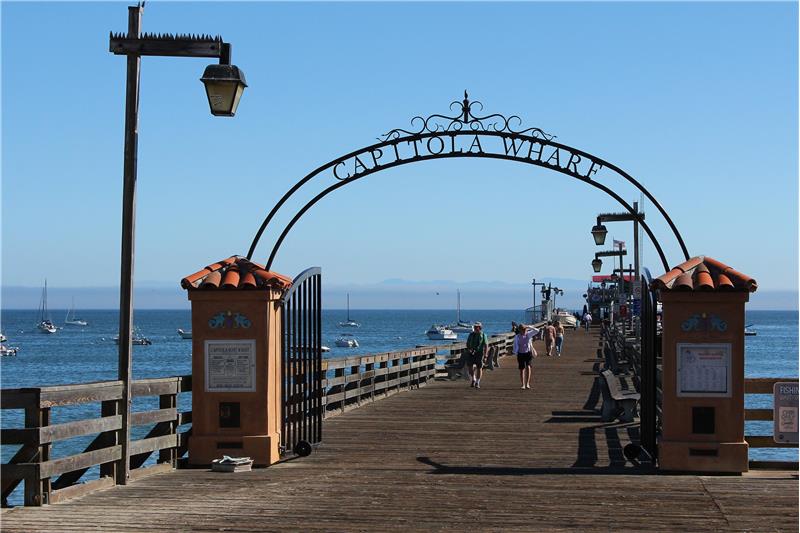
523 348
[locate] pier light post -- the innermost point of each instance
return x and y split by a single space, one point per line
599 231
534 285
224 85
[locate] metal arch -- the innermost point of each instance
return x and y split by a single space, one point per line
335 186
466 122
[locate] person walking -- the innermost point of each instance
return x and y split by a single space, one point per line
523 348
549 337
477 347
587 320
559 337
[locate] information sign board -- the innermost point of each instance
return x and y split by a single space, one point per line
785 412
704 369
230 365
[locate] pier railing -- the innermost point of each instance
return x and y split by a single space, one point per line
350 382
47 479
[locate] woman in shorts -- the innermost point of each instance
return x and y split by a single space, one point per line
523 348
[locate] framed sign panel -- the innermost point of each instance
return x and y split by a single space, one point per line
230 365
704 370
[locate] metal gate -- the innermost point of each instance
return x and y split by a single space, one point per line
650 403
301 316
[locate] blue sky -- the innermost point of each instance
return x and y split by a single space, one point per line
696 101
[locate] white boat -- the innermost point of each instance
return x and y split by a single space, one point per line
8 350
566 318
349 323
346 340
324 349
45 324
185 334
440 333
749 332
71 319
460 326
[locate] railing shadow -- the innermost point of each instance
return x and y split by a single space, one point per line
443 469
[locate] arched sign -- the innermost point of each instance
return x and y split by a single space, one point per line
467 135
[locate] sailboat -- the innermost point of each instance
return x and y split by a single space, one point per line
45 324
460 326
349 323
71 320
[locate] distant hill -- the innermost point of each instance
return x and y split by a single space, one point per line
388 294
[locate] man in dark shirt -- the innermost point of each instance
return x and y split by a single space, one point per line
477 347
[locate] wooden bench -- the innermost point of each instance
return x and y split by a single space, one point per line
619 399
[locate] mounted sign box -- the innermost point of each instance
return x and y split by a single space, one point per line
230 365
704 369
785 412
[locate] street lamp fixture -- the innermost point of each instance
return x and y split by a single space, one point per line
224 85
597 264
599 231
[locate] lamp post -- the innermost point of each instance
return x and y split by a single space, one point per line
224 86
597 263
599 231
534 285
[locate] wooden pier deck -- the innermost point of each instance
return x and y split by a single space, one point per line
448 457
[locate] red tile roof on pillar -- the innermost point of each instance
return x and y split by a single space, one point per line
235 273
704 273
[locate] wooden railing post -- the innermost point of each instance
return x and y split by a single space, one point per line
110 438
169 455
33 483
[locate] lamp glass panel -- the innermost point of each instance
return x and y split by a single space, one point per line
222 96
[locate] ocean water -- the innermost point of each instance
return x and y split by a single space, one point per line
86 354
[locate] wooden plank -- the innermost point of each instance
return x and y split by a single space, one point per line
84 393
146 471
152 444
758 414
82 489
762 441
155 387
184 418
19 398
153 417
79 428
80 461
763 385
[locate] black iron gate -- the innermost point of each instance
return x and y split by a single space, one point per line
301 314
650 403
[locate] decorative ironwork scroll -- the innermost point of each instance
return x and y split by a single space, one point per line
466 120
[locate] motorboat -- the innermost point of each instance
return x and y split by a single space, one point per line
136 340
460 326
749 332
185 334
45 324
6 350
566 318
346 340
71 319
441 333
349 323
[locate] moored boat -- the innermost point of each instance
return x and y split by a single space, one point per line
438 332
346 340
349 323
71 319
45 324
185 334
